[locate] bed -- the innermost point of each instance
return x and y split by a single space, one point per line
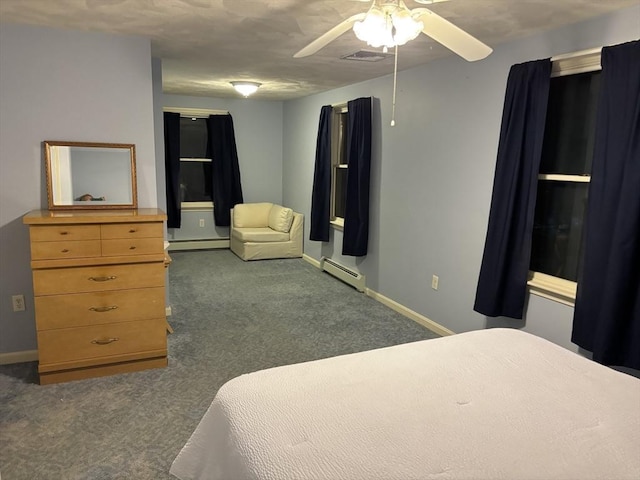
490 404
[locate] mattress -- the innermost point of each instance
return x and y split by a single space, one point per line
490 404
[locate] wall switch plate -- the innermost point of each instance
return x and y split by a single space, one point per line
434 282
18 303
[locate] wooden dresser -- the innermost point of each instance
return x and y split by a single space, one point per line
99 288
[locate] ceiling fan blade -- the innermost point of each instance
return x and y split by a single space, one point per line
452 37
329 36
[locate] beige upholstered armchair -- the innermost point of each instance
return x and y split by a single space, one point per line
265 230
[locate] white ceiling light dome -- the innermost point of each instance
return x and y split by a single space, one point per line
246 88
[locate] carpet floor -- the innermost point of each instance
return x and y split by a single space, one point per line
229 317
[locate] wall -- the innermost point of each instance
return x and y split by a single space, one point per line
61 85
158 127
258 130
431 178
432 175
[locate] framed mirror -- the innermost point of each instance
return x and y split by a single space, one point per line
83 175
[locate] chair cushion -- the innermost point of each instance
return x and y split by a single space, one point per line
251 214
280 218
264 234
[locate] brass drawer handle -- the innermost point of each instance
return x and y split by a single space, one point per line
64 233
66 250
103 309
133 230
102 279
105 341
132 248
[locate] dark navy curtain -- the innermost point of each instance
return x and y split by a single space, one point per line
172 167
227 188
502 284
321 193
356 216
607 312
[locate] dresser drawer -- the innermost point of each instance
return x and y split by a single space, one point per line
65 249
132 246
132 230
97 278
52 233
95 308
99 341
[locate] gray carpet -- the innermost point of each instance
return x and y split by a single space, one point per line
230 317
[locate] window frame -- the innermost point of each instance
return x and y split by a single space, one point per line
547 286
337 142
195 113
197 205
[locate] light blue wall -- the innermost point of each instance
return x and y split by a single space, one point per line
258 130
158 127
432 175
61 85
431 178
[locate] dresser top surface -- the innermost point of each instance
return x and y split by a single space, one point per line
45 217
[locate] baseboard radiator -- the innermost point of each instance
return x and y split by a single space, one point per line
348 276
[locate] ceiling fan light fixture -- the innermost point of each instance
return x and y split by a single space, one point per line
374 29
387 26
246 88
406 27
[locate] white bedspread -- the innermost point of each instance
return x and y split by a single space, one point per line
490 404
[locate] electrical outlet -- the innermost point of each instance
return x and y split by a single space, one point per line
202 222
18 303
434 282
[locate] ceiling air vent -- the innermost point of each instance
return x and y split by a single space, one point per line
367 56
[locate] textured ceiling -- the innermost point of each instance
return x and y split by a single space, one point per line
205 44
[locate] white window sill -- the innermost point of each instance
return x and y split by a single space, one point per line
553 288
337 224
196 206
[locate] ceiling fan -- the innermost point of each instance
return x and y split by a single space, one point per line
389 23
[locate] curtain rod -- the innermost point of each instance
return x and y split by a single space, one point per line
195 112
581 53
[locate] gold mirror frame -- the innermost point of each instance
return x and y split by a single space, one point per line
90 175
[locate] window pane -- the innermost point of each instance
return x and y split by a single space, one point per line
341 192
570 124
557 231
342 152
193 138
195 182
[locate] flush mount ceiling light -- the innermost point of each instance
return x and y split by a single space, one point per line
246 88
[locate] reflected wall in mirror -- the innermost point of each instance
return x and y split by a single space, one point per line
82 175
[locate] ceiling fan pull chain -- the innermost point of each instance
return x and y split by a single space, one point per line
395 74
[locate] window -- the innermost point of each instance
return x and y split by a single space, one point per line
563 180
339 165
196 190
195 181
195 167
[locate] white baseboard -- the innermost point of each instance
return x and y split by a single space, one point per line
393 305
178 245
407 312
311 260
18 357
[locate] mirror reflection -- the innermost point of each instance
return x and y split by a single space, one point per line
90 175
